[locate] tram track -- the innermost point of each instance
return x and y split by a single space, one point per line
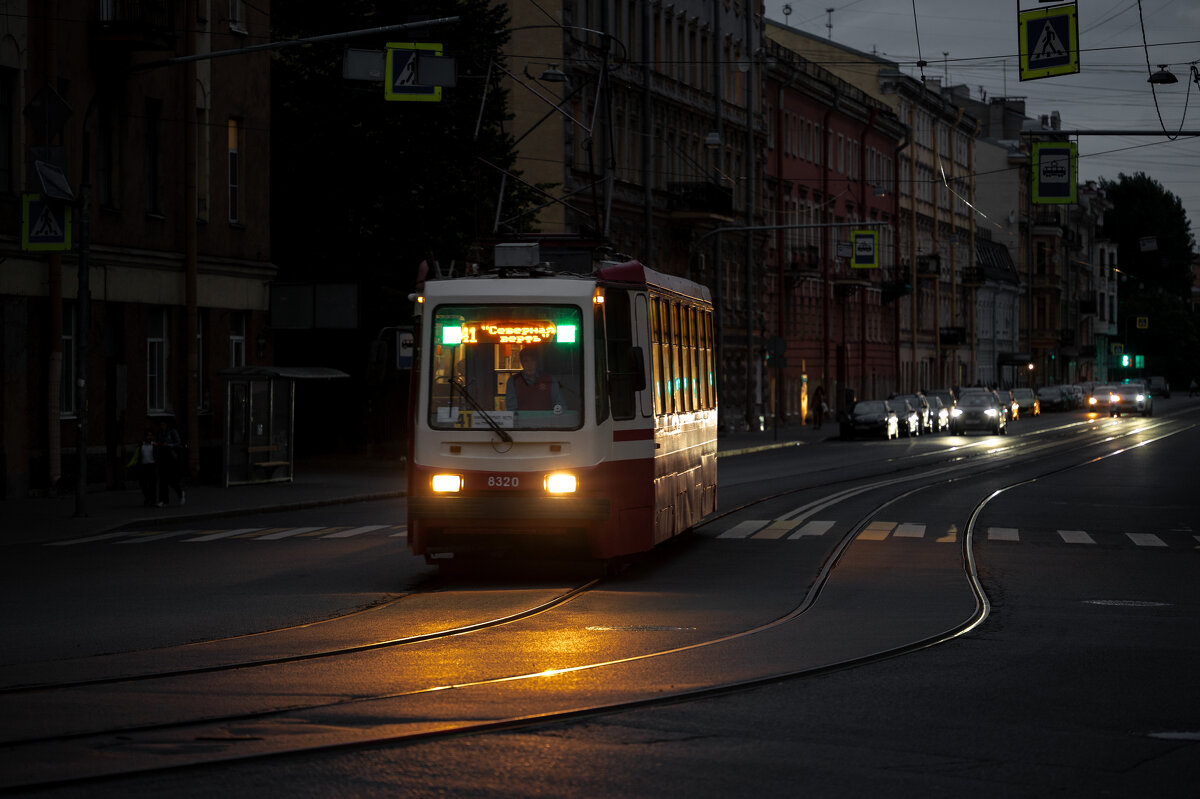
220 729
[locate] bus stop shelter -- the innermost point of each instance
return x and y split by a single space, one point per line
260 405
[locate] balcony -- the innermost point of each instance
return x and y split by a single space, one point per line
130 25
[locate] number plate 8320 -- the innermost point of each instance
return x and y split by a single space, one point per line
503 481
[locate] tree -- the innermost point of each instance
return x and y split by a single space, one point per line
1154 249
364 189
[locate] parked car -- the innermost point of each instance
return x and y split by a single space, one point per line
1077 397
921 406
1159 385
1131 398
939 414
978 410
1053 398
909 418
1027 402
872 418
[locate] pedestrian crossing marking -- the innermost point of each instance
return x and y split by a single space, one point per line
353 531
217 535
89 539
812 528
744 529
1003 534
877 531
909 531
776 529
1075 537
1146 539
148 537
257 533
287 532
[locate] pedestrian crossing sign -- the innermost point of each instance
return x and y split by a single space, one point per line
400 73
45 224
1049 42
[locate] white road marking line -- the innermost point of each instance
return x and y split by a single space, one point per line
813 528
909 531
1146 539
1002 534
288 533
744 529
1075 537
353 531
222 534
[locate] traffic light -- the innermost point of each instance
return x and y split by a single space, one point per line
1125 360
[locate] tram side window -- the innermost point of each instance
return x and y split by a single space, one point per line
658 345
619 326
706 384
599 347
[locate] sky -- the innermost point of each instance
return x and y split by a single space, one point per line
975 43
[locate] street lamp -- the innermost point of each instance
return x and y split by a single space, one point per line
1163 76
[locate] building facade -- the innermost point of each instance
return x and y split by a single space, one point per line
165 282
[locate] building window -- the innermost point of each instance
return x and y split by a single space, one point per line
237 339
7 118
202 164
156 361
237 18
66 391
235 167
153 156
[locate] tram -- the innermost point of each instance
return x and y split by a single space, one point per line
560 413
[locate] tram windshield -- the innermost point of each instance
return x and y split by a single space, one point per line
507 366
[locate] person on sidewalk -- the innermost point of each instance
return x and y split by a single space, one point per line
171 464
147 470
819 408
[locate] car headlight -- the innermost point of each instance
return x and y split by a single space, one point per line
446 483
990 412
956 412
1141 397
560 483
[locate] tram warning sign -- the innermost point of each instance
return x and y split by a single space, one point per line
1055 165
866 249
1049 42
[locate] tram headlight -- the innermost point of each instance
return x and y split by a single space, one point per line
446 483
560 483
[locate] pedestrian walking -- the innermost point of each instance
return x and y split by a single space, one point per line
819 408
143 461
170 457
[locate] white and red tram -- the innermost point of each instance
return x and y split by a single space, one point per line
604 445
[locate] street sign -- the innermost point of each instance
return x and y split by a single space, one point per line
1049 42
404 348
1143 323
866 249
45 224
1055 165
400 78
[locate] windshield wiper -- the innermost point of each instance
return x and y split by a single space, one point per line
500 431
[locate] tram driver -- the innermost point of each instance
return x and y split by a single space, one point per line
532 389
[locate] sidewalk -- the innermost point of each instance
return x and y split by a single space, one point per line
318 482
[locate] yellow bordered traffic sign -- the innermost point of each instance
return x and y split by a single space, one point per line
400 73
1049 42
45 224
1055 167
866 249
